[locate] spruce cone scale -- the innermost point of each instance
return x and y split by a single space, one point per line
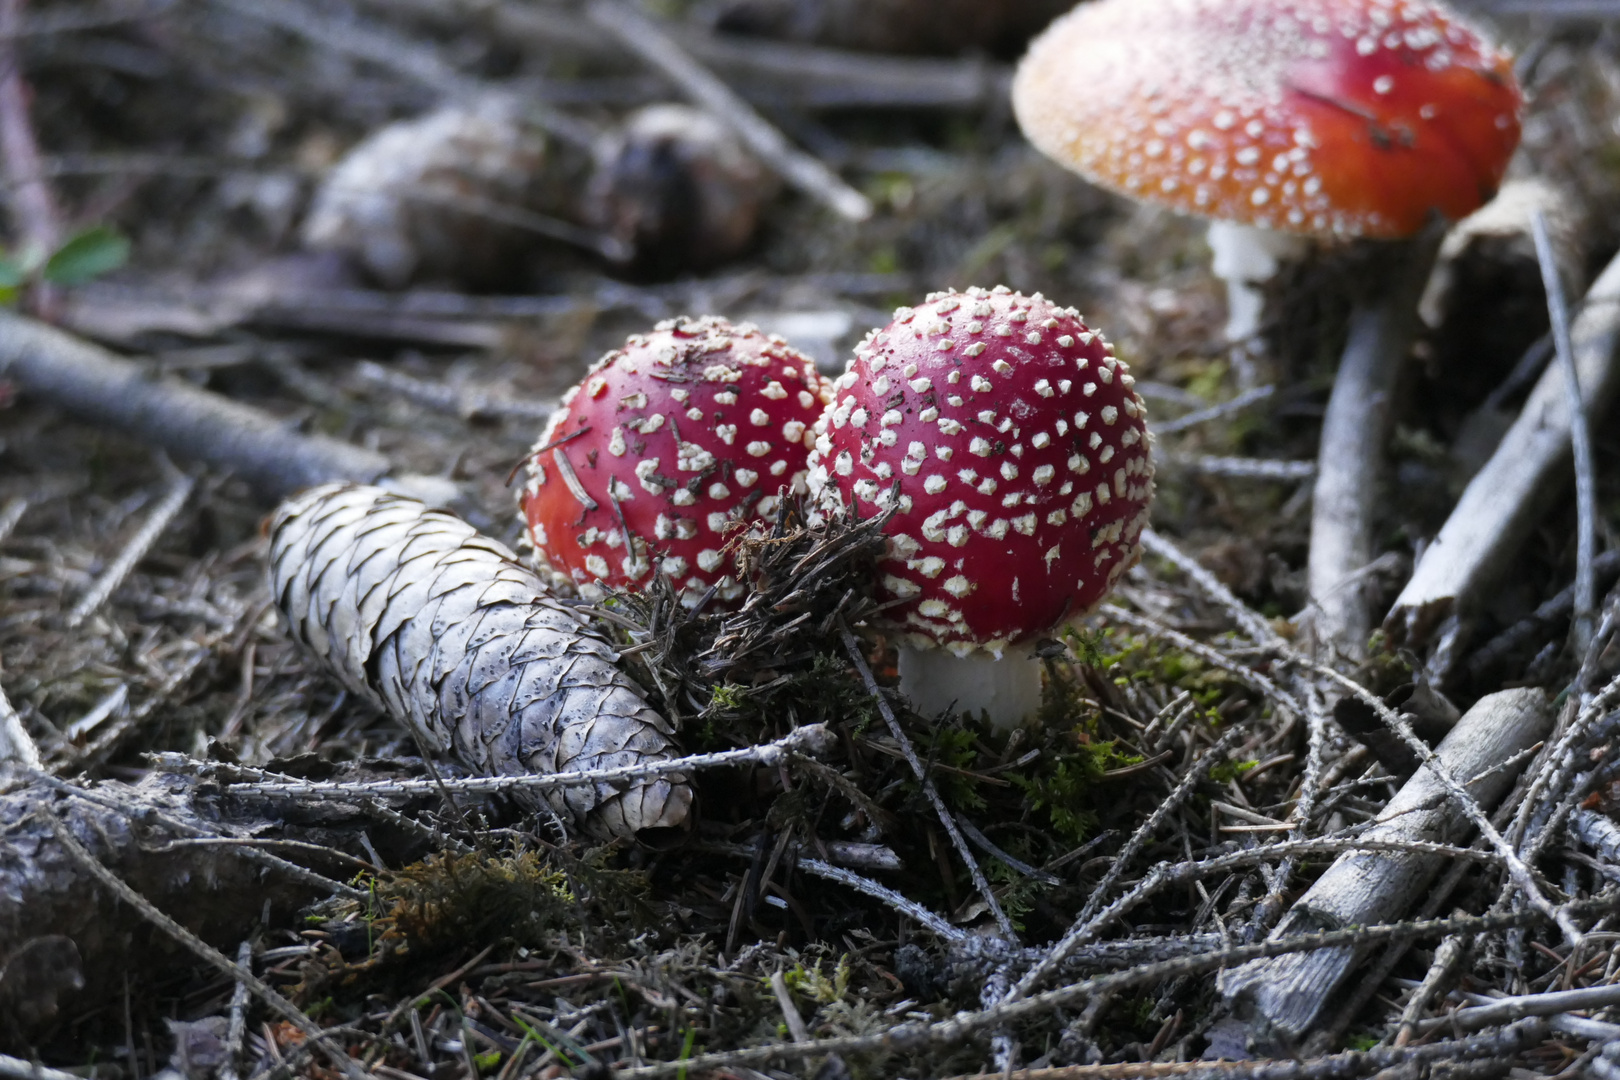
448 633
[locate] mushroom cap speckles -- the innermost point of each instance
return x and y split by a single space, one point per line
1021 497
1326 117
675 439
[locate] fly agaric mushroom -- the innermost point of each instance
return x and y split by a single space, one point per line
1017 451
1276 119
667 447
1332 118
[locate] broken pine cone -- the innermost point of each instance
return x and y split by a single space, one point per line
677 190
448 633
450 195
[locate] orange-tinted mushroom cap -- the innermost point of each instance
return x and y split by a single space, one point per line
1343 117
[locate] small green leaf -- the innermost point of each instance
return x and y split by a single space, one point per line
93 252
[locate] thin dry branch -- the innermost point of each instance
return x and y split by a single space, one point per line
33 206
180 488
853 647
17 749
811 739
1582 621
201 949
912 1036
97 387
1087 924
808 174
1505 500
1288 994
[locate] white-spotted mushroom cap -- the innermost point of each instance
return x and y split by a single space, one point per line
665 449
1018 451
1327 117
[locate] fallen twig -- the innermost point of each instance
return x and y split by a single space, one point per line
1087 924
1505 500
805 740
1289 993
237 1025
909 908
1214 412
1242 468
98 387
17 747
201 949
853 648
1580 436
657 48
180 488
33 207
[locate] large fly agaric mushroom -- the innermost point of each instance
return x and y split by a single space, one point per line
669 445
1017 451
1275 119
1327 118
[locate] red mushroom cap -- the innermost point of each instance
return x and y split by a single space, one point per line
1345 117
1020 451
671 439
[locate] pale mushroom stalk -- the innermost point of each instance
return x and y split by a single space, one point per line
1246 257
937 681
1008 439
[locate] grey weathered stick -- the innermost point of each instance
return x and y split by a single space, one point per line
1507 1010
17 747
201 949
1242 468
1286 995
774 71
1350 461
811 738
1214 412
238 1016
95 386
1580 436
853 648
657 48
33 207
1506 499
180 487
17 1069
910 908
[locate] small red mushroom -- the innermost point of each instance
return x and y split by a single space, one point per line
1327 118
1017 450
667 446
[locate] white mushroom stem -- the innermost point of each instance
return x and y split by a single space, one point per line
1246 258
937 681
1350 462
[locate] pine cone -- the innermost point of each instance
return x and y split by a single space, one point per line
447 632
